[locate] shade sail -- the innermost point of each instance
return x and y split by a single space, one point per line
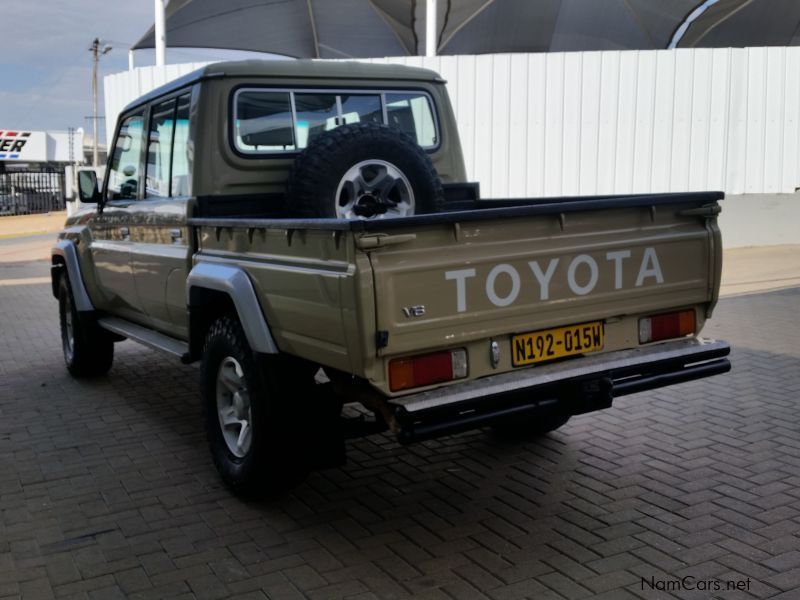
299 28
377 28
746 23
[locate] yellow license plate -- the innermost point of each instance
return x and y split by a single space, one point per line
549 344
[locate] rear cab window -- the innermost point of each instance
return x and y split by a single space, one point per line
269 121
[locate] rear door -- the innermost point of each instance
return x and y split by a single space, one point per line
161 249
482 279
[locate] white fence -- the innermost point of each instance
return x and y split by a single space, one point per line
626 122
608 122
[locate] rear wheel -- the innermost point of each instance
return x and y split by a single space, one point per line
247 432
88 349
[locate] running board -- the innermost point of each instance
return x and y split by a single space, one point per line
145 336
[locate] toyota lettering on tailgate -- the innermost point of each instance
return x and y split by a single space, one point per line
582 274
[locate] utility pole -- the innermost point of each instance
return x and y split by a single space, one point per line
97 49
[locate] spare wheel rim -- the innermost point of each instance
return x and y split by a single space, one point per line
374 189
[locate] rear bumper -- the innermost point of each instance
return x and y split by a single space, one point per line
572 387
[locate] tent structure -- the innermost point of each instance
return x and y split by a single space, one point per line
376 28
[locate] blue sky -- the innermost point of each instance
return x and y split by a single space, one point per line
45 70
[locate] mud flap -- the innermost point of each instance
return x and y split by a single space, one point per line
321 420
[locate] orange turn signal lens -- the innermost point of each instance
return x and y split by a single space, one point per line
426 369
666 326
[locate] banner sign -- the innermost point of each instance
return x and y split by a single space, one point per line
25 146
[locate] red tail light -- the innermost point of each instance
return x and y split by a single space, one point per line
427 369
665 326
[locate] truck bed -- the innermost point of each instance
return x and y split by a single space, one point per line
351 295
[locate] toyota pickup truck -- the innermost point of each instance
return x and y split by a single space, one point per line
306 232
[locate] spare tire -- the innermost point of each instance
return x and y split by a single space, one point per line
363 171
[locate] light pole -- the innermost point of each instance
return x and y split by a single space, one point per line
97 49
430 28
160 32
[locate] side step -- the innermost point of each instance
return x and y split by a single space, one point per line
145 336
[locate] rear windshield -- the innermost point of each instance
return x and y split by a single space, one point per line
275 121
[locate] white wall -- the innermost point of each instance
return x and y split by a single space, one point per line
760 220
58 146
606 122
627 122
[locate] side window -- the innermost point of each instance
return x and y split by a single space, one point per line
264 122
411 113
316 113
159 150
181 150
123 175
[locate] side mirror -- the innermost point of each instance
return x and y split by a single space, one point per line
87 187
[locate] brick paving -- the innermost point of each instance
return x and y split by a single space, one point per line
107 489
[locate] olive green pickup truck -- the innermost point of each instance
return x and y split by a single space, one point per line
305 230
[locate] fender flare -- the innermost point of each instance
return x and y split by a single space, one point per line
234 282
65 249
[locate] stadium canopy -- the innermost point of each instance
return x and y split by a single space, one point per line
377 28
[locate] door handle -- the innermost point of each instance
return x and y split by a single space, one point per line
124 232
175 234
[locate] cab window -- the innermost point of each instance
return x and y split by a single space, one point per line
361 108
316 114
264 122
267 121
123 174
411 113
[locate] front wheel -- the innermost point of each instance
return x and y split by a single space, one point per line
88 349
246 435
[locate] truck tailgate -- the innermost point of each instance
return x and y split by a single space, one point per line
455 282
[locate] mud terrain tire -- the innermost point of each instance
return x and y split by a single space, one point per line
363 171
88 349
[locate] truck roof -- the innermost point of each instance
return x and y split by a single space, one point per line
300 69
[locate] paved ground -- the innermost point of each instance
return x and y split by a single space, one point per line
32 224
107 490
26 248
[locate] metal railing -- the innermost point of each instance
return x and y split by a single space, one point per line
31 192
